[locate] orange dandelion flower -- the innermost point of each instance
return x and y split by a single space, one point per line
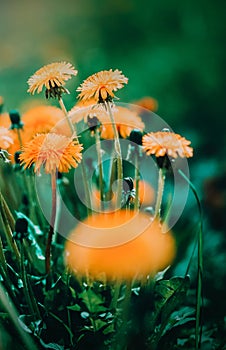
146 193
125 119
53 77
163 143
101 85
54 152
148 103
122 245
5 138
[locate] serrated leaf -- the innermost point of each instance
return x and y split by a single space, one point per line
92 301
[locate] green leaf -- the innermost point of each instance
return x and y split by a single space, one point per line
92 301
75 307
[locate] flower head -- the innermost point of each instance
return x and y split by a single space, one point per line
53 77
164 143
101 85
121 245
54 152
125 119
148 103
5 138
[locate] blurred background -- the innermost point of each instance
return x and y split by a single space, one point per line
172 50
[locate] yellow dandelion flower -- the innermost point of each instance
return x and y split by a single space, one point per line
53 77
163 143
102 85
5 138
54 152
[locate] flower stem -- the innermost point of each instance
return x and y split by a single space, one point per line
19 138
161 182
52 224
74 134
8 230
71 126
98 147
137 179
118 155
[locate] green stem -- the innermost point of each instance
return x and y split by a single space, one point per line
99 159
25 282
8 231
19 138
118 155
137 179
14 317
51 228
74 134
199 293
161 182
71 126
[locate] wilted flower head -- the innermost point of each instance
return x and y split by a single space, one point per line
165 143
54 152
53 77
101 85
121 245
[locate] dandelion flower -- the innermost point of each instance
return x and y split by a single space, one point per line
102 85
147 102
164 143
54 152
5 138
53 77
125 120
121 245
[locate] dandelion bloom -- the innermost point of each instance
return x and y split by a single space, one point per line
148 103
51 76
164 143
101 85
122 245
53 151
125 119
5 138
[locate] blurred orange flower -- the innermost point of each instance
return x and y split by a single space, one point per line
51 76
163 143
5 138
146 193
39 119
148 103
122 245
125 119
101 85
54 152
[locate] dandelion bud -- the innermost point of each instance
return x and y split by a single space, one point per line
136 136
15 120
21 229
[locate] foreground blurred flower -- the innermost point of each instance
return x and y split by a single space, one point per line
54 152
5 138
164 143
101 85
53 77
122 245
